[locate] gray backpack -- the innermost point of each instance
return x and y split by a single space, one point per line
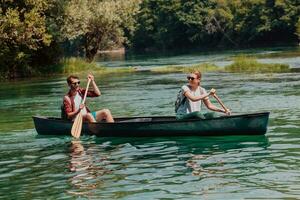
180 100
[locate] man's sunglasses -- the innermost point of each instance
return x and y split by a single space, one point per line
76 83
190 78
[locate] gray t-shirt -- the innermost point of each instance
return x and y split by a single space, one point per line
191 106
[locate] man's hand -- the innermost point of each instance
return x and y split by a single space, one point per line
81 106
91 77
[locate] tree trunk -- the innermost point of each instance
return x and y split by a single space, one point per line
92 43
90 54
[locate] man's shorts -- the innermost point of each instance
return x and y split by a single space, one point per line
94 115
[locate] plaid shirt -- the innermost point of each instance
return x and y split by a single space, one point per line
69 104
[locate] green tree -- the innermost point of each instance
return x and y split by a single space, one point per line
100 24
177 23
22 32
298 29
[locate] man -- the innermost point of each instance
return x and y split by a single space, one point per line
72 102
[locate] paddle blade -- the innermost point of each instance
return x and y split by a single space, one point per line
77 126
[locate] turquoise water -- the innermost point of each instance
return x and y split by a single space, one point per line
284 55
235 167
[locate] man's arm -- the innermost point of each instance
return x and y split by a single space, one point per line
68 108
95 87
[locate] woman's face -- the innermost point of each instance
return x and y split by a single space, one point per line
193 80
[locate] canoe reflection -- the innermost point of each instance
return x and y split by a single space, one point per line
85 170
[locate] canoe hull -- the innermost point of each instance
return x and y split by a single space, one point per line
250 124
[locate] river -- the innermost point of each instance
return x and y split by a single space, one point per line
235 167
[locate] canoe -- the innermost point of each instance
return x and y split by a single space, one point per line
244 124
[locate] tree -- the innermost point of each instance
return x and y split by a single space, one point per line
298 29
170 24
22 32
99 23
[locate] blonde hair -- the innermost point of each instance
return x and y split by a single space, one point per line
197 73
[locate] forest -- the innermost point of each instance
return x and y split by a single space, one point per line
37 35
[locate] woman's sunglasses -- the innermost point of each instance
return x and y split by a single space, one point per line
76 83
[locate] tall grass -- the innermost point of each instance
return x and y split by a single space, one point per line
75 65
205 67
243 64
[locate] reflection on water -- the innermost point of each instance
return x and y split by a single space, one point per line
85 174
236 167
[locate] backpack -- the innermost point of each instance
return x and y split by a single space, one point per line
180 100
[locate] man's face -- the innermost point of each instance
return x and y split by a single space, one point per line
74 85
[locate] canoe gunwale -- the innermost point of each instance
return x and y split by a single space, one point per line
157 117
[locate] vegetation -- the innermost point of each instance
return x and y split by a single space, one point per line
23 32
99 24
37 35
240 64
175 23
248 64
206 67
78 65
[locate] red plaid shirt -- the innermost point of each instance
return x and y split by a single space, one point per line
69 104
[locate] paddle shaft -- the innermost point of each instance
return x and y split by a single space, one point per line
77 125
220 102
85 94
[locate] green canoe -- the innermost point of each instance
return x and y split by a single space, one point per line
246 124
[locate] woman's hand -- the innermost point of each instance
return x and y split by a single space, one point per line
212 92
227 112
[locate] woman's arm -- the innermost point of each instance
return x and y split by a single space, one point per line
211 106
195 98
200 97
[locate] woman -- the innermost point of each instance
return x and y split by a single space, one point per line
193 95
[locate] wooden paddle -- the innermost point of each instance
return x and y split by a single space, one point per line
220 102
77 125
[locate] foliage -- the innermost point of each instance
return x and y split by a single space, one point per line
36 34
101 23
22 32
298 28
171 24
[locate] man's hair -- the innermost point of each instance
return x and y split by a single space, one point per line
71 77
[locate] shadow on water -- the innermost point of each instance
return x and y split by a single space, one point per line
189 143
192 144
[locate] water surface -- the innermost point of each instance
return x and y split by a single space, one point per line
235 167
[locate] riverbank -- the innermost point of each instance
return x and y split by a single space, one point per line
241 64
